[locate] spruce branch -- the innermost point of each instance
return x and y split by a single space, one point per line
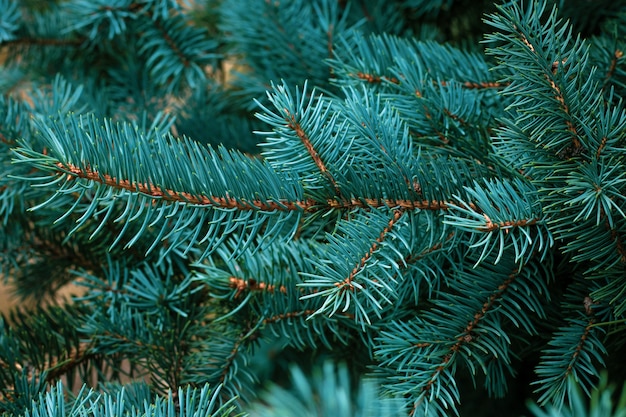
437 220
428 350
617 56
201 179
559 74
574 352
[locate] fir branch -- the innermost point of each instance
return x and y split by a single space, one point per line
173 46
242 285
426 351
222 202
374 79
616 236
288 315
617 55
367 276
347 284
151 190
558 76
429 117
465 337
575 350
228 362
510 215
579 348
306 141
59 367
507 225
481 85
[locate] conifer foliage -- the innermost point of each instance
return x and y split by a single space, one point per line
280 208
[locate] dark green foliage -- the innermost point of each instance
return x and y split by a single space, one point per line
428 220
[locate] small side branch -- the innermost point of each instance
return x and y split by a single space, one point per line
579 347
481 85
490 226
429 117
347 283
466 336
286 316
617 55
374 79
576 146
306 141
619 245
253 285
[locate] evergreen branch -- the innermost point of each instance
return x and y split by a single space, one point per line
450 112
617 55
481 85
575 350
309 123
242 285
369 253
184 197
164 164
426 351
297 128
175 50
467 336
280 205
552 71
230 359
558 95
591 210
579 348
76 357
510 214
173 46
376 58
113 338
218 357
347 284
374 79
288 315
283 311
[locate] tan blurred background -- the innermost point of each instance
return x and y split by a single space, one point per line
6 302
9 301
